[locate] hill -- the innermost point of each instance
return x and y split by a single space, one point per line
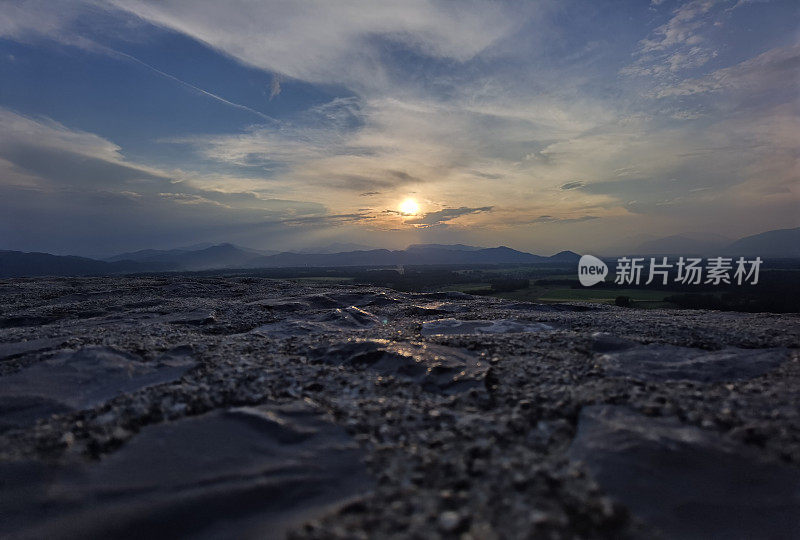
781 243
684 244
412 256
23 264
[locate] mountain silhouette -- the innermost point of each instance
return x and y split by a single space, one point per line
684 244
781 243
21 264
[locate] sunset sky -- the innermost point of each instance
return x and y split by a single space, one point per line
543 126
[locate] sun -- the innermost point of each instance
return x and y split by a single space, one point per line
409 207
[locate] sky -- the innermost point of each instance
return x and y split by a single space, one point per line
544 126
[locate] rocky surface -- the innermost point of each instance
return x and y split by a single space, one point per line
253 407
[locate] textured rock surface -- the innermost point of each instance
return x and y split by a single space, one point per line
500 326
656 362
134 385
244 472
689 482
434 367
82 379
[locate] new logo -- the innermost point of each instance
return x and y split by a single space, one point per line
591 270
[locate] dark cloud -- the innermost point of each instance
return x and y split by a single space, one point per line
97 205
446 214
403 177
572 185
488 176
553 219
329 219
72 169
388 179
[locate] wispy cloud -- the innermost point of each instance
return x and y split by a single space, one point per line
128 57
677 45
772 69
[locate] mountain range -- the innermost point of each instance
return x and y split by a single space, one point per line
784 243
780 243
20 264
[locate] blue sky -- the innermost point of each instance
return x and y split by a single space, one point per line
542 125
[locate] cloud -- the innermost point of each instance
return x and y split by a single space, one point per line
61 188
118 54
446 215
553 219
329 42
33 18
773 69
330 220
682 27
439 99
18 129
677 45
275 86
571 185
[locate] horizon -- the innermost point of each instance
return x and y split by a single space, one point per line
338 248
543 126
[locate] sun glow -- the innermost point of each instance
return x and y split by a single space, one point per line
409 207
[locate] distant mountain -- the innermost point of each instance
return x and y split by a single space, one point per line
784 243
336 247
683 244
190 253
781 243
148 255
222 256
451 247
385 257
23 264
565 256
219 256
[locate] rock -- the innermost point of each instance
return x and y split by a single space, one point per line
196 318
604 342
244 472
18 348
498 326
279 305
532 306
686 482
656 362
289 327
380 299
337 320
352 317
25 320
318 301
82 379
449 521
441 431
434 367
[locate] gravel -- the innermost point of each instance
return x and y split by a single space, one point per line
475 427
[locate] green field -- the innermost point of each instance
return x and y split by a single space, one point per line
605 296
646 298
323 279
